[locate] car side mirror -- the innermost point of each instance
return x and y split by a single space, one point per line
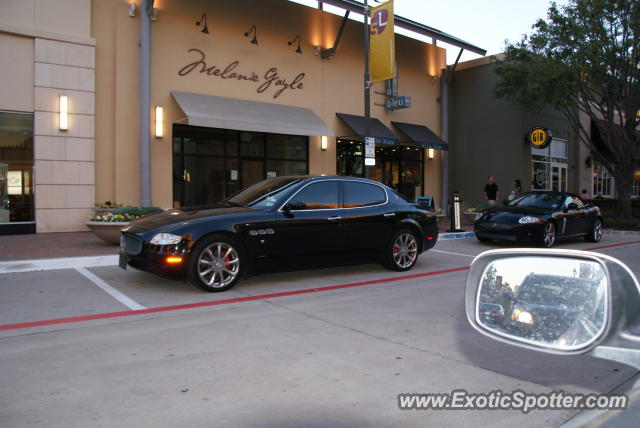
295 206
558 301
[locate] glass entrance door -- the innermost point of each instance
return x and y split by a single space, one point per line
559 177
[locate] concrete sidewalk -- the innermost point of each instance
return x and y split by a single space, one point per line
76 244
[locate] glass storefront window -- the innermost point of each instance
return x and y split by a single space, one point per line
602 182
399 167
540 176
210 164
16 167
291 147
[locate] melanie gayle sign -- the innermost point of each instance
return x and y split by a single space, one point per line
382 57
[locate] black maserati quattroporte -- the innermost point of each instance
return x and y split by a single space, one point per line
289 222
541 218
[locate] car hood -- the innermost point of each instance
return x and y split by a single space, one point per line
183 215
511 214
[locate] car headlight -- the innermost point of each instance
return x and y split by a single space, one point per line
529 219
521 316
166 239
478 216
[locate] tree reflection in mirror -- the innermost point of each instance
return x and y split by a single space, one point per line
558 303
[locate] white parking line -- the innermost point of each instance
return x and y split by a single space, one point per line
129 303
35 265
455 254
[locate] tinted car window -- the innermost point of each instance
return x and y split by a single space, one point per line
358 194
318 196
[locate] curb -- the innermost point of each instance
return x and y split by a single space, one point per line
456 235
614 232
16 266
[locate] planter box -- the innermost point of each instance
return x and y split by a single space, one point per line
107 231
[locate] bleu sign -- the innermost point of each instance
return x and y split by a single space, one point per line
395 103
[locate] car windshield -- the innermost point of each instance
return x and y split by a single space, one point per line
264 194
539 200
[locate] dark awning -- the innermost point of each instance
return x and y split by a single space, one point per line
243 115
422 136
381 133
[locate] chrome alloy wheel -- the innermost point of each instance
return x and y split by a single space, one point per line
218 265
405 250
597 231
549 235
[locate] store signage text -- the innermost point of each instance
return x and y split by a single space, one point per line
395 103
539 137
270 80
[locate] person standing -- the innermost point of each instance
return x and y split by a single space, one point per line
516 191
491 191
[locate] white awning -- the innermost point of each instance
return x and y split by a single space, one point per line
230 113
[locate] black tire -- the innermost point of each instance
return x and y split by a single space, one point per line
595 235
225 257
402 250
548 237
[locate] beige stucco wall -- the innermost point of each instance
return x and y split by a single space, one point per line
330 86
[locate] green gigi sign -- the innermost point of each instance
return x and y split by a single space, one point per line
268 82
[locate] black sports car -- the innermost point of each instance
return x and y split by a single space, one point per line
285 221
541 218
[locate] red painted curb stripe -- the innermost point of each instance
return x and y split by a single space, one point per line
612 245
220 302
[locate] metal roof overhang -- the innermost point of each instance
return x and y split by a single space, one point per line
377 129
416 27
242 115
422 136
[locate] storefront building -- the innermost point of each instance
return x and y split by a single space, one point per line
47 168
488 137
239 91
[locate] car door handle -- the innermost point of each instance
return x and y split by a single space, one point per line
334 218
390 215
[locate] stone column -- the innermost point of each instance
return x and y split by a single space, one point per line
64 161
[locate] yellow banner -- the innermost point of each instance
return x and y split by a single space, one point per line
382 55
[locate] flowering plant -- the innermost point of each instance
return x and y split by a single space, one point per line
124 214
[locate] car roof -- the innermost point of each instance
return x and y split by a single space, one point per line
313 177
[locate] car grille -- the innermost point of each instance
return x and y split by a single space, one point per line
130 244
496 226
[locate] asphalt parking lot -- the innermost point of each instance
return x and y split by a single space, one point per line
325 347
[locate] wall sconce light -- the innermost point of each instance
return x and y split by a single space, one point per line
324 143
203 19
431 154
132 10
154 14
159 122
64 113
298 50
255 34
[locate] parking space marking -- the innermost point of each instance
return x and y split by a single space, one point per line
222 302
128 302
17 266
455 254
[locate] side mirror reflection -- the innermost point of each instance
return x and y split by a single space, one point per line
555 302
